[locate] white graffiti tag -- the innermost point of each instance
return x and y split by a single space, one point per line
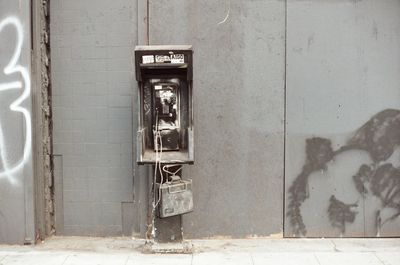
10 168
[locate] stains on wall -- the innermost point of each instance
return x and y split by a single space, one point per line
385 184
318 153
379 137
341 213
20 80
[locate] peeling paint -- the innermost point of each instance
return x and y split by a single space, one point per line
47 128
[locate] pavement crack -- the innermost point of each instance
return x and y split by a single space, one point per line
316 258
65 260
334 246
2 258
252 259
127 259
381 261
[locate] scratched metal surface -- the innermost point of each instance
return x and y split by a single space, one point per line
239 101
16 190
343 102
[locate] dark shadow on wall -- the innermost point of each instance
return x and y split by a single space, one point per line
378 137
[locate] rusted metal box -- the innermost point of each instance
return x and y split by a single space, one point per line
174 198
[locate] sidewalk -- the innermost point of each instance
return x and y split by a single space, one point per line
126 251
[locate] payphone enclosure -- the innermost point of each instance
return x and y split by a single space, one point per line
164 75
165 127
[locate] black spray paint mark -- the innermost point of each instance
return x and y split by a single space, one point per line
385 184
363 175
318 153
378 137
341 213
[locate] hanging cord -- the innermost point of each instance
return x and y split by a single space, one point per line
159 169
157 164
166 167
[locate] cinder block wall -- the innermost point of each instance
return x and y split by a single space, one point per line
323 68
239 93
91 46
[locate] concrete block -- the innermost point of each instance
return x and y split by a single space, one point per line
78 183
89 52
128 215
119 64
76 195
92 50
70 137
95 136
120 52
119 171
121 88
110 214
98 172
75 160
120 136
75 172
118 126
69 148
109 196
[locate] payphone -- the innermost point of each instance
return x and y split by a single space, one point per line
164 74
165 116
165 127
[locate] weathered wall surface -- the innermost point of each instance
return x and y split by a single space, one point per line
92 48
343 113
16 173
239 121
239 49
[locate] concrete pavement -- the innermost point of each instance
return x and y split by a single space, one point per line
126 251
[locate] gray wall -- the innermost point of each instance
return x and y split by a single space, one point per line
16 173
91 45
239 122
339 62
343 77
239 105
